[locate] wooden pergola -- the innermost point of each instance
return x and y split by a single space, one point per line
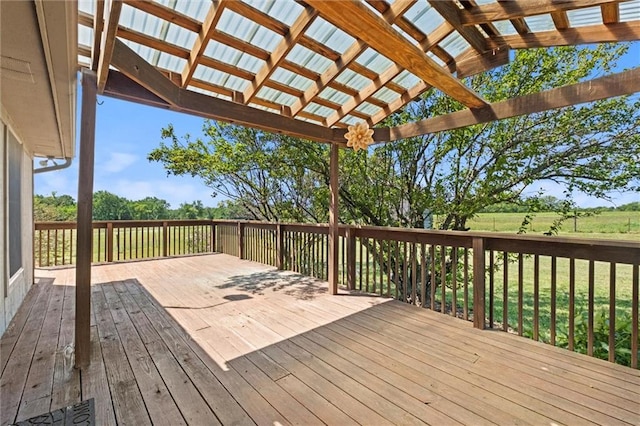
312 68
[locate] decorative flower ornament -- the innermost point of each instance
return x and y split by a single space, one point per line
359 136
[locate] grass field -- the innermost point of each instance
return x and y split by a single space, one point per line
609 224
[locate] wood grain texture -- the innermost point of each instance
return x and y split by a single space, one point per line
511 9
381 36
261 345
108 40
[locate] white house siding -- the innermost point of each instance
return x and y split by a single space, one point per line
14 289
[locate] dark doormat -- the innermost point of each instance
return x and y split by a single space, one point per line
82 413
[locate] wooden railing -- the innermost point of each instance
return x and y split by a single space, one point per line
575 293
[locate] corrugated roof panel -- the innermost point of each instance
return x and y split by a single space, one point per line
406 79
309 59
284 11
320 110
326 33
85 35
276 96
180 36
171 63
586 16
505 27
426 20
350 120
352 79
386 95
195 9
247 30
145 52
83 60
220 78
629 11
436 59
232 56
374 61
334 95
291 79
367 108
264 108
141 21
454 44
540 23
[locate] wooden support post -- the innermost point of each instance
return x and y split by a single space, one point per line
333 220
351 258
240 240
110 242
84 242
279 247
478 283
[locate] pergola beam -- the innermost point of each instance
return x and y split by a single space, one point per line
108 40
508 10
208 27
610 86
451 13
161 91
623 31
290 39
361 22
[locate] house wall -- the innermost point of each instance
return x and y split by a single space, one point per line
14 288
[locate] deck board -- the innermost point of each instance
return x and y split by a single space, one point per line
217 340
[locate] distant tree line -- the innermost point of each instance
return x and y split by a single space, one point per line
552 204
109 206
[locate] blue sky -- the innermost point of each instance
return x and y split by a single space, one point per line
127 132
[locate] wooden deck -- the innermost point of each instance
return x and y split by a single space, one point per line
216 340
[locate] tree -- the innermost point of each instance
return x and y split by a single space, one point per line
108 206
54 208
149 208
592 148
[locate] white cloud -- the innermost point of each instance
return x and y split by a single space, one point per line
116 162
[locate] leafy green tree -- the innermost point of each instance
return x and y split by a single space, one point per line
149 208
592 148
108 206
54 208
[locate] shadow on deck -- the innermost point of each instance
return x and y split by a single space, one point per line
213 339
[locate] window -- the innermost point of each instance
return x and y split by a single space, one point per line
14 197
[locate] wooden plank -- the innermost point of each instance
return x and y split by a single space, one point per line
95 384
451 13
66 379
381 36
623 83
195 362
108 39
613 33
295 32
36 398
127 400
19 321
610 13
510 10
478 283
98 25
560 20
17 367
84 235
155 372
208 27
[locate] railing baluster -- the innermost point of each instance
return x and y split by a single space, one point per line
505 291
397 270
432 290
491 289
520 293
423 275
635 301
414 270
553 300
612 312
443 279
454 281
590 335
572 302
536 296
478 283
465 300
388 269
